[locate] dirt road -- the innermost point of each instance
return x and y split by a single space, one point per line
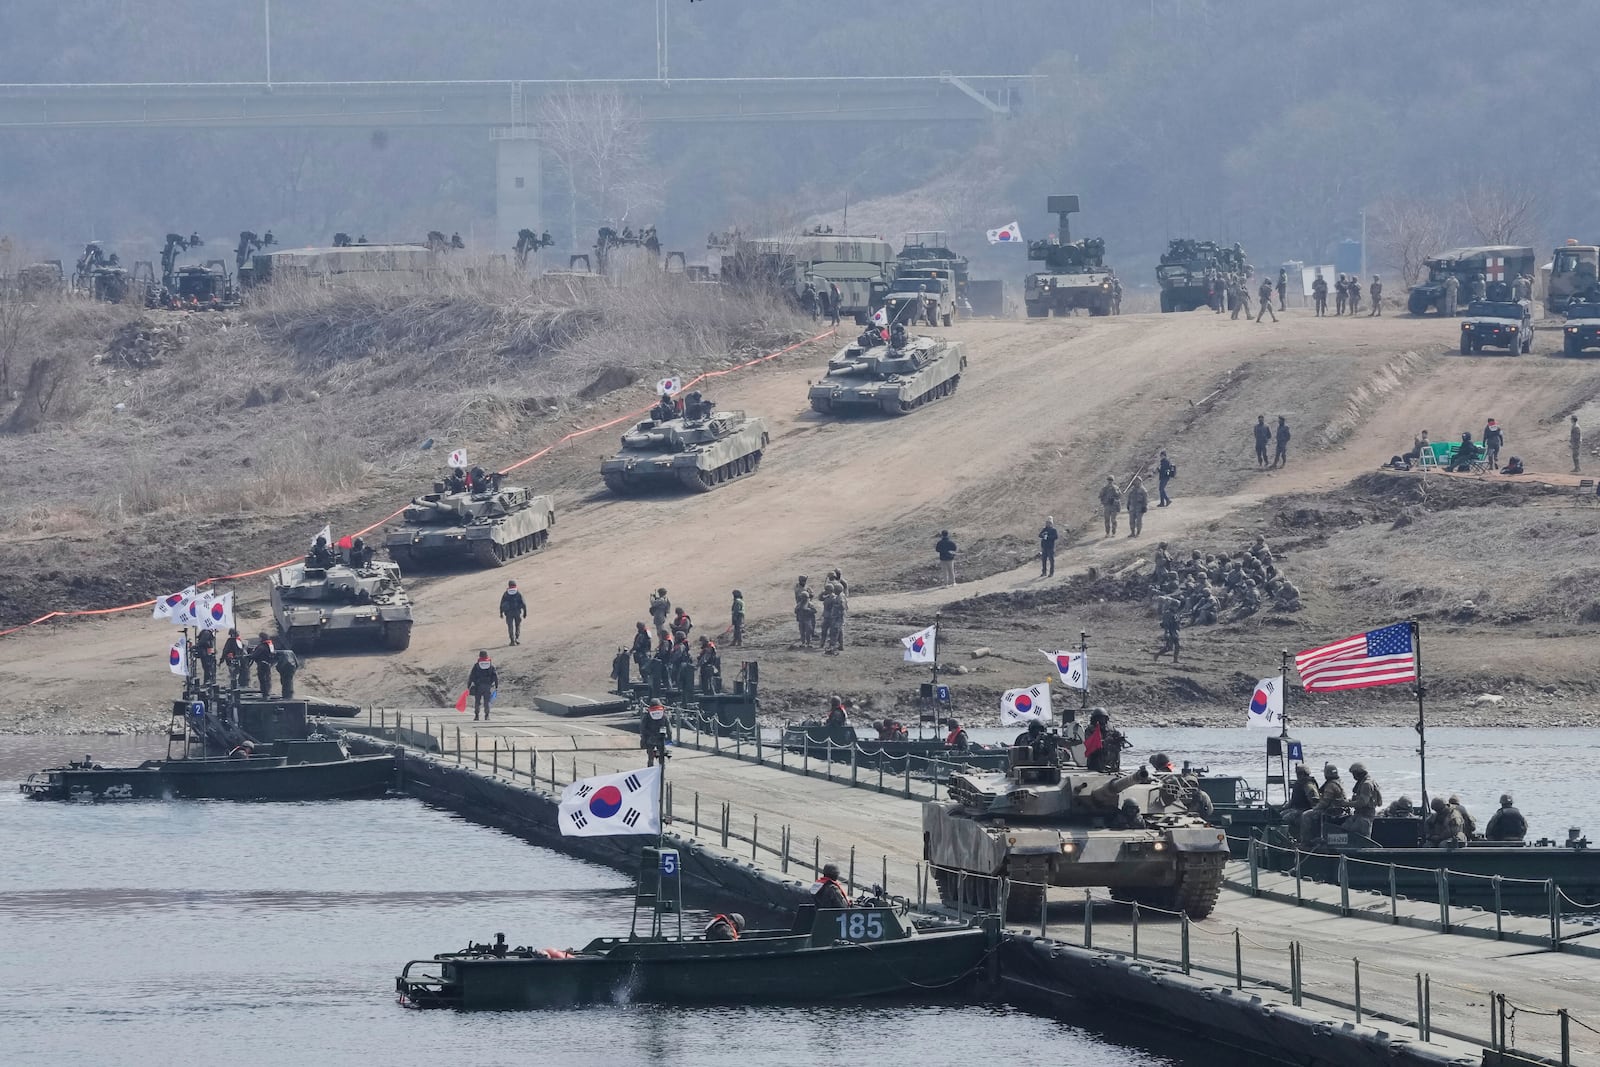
1046 410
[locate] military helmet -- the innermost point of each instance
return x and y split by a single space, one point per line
830 870
1301 771
1505 800
737 920
1358 769
1437 804
1330 771
1160 762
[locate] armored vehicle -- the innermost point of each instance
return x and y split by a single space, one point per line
1574 276
1194 273
888 379
686 443
902 302
1047 821
1582 330
364 603
1498 266
930 250
1075 274
486 528
195 287
1506 324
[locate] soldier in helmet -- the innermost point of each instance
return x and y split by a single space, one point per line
641 650
1365 798
1303 796
1110 504
837 715
1340 294
1138 505
1443 827
828 892
725 927
659 607
805 615
1507 824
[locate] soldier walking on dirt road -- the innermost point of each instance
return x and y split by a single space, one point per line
947 556
1280 455
1319 295
1110 504
1377 297
482 681
1263 434
1165 472
1266 301
1138 504
513 609
1575 438
1283 286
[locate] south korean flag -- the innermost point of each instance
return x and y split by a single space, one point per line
612 804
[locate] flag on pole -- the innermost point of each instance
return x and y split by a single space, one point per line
612 804
191 611
1385 656
219 612
458 458
166 605
1006 235
1266 705
1032 704
326 533
880 317
669 386
178 657
919 646
1071 667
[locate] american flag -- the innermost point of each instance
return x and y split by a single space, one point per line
1385 656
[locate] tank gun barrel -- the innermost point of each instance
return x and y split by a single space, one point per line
1106 795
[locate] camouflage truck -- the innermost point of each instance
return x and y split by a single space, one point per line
1075 276
1497 265
359 603
930 250
1189 269
895 381
902 303
1047 821
487 529
686 444
1574 275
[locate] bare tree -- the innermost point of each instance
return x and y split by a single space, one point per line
1408 230
1501 214
603 151
20 312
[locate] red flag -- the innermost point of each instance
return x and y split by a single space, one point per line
461 702
346 542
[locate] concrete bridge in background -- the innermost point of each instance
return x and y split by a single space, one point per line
508 109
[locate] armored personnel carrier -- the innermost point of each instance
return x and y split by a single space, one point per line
362 603
686 443
1075 274
1047 821
487 529
1194 273
892 380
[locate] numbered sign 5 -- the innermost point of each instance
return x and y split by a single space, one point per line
669 864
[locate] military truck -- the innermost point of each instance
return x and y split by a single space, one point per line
487 528
686 443
360 601
100 276
1499 266
862 266
1047 821
902 302
1574 274
1189 268
892 380
1075 275
1506 324
930 249
1582 329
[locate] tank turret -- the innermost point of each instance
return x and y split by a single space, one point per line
686 443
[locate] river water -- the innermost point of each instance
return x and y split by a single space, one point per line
242 934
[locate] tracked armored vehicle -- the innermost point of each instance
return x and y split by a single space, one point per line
363 604
892 380
1047 821
487 529
686 444
1074 276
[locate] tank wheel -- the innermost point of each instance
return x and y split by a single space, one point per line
1199 883
1026 894
397 636
824 406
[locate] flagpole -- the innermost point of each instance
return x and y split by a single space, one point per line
936 617
1422 718
1083 648
1283 692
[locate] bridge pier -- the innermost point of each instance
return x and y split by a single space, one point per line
518 188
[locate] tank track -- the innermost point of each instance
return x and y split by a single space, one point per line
897 406
1029 883
977 892
1199 883
491 553
691 478
397 636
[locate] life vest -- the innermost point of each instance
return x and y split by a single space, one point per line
732 929
823 881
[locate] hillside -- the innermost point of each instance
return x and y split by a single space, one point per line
1046 410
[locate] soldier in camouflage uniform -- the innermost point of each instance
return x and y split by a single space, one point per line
1331 808
832 619
1169 626
659 607
1110 504
1443 825
1303 796
1138 504
1365 799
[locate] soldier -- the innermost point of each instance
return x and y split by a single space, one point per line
835 298
1265 294
709 663
1452 290
1205 608
946 548
1400 809
1364 800
1319 294
1469 826
1169 606
265 657
513 609
837 715
1048 534
1263 434
1165 472
287 663
1354 289
1280 441
1283 286
1480 288
808 299
1331 807
205 650
1116 295
641 650
1575 442
682 666
1110 504
321 555
1238 296
1303 796
725 927
1377 297
1138 504
1494 438
1507 824
681 625
828 892
659 606
736 618
482 681
1285 594
661 667
1339 295
1442 827
360 554
805 613
234 658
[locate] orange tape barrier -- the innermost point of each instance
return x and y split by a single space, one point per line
545 451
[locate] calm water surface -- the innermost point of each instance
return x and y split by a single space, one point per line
216 933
